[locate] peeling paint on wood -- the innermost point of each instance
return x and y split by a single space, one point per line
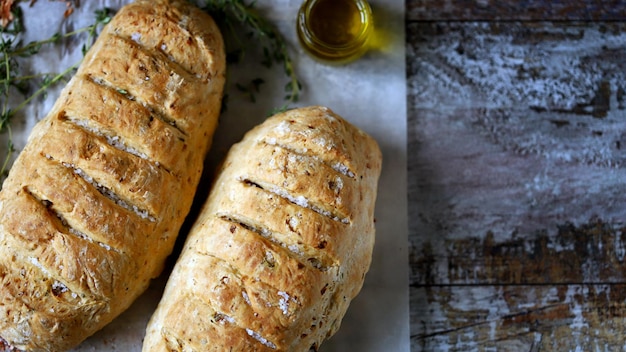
480 10
591 253
519 318
517 170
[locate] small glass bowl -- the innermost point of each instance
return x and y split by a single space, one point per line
334 52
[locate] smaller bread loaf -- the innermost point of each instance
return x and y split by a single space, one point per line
282 244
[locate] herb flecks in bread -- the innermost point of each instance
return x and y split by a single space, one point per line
94 202
282 244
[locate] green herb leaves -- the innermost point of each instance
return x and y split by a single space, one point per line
12 53
231 13
251 89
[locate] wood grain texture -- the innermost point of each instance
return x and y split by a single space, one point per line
516 179
519 318
489 10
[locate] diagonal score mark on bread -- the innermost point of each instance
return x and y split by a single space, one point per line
43 235
298 229
305 254
136 83
132 181
122 119
60 221
74 201
128 95
301 179
153 81
73 286
315 138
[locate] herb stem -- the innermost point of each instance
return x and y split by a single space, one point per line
33 47
7 66
25 78
295 85
46 85
7 157
12 51
275 49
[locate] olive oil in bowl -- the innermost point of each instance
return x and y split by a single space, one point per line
335 30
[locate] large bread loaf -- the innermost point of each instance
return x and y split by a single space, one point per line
93 204
282 244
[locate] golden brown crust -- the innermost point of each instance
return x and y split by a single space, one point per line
282 244
118 118
94 202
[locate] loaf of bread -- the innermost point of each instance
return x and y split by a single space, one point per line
93 204
282 244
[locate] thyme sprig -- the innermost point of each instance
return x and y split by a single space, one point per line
251 89
234 13
13 51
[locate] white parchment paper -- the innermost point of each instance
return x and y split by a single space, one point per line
370 92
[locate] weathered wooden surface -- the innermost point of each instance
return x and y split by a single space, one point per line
480 10
519 318
517 177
